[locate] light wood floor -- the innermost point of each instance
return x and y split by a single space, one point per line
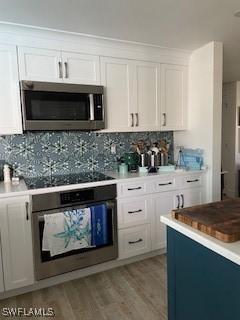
133 292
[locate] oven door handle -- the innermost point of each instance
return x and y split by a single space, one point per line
110 206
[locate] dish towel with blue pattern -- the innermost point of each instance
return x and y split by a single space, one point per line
66 231
99 225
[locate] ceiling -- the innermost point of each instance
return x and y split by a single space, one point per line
185 24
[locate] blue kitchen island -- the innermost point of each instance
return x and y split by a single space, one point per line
203 275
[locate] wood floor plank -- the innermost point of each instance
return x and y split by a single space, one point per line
137 291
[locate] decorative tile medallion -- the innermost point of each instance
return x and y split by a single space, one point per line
45 153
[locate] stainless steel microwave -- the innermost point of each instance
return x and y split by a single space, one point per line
61 106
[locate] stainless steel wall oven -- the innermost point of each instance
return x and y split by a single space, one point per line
48 203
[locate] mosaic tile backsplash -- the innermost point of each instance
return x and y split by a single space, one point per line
45 153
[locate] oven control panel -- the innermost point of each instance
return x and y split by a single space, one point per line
77 196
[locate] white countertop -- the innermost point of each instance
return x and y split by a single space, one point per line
230 251
121 177
9 190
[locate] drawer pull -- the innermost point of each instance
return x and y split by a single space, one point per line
164 184
131 189
182 196
136 211
27 210
189 181
137 241
178 199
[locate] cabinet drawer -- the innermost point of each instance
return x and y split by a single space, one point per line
133 189
165 184
193 180
134 241
134 211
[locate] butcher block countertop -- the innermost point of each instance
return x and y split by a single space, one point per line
216 226
220 220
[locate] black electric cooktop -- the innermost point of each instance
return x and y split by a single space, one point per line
62 180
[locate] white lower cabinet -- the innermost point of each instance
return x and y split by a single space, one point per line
16 241
140 228
163 204
1 270
134 211
192 197
134 241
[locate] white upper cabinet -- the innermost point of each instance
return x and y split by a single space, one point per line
16 241
58 66
131 94
174 97
80 68
117 78
147 95
10 105
40 64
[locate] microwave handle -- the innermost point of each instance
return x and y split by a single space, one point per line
91 103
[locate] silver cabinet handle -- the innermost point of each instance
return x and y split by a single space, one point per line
182 196
189 181
132 242
178 199
164 119
132 120
91 104
164 184
136 211
27 209
60 72
137 119
66 69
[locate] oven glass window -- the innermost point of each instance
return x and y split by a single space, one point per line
45 255
57 106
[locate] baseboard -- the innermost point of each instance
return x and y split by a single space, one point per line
79 274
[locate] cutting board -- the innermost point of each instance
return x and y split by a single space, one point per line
220 220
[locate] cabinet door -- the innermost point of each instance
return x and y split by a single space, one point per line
191 197
10 107
40 64
117 77
174 97
163 204
134 241
80 68
16 238
1 269
134 211
147 96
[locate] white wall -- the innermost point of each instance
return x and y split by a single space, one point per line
205 112
229 137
